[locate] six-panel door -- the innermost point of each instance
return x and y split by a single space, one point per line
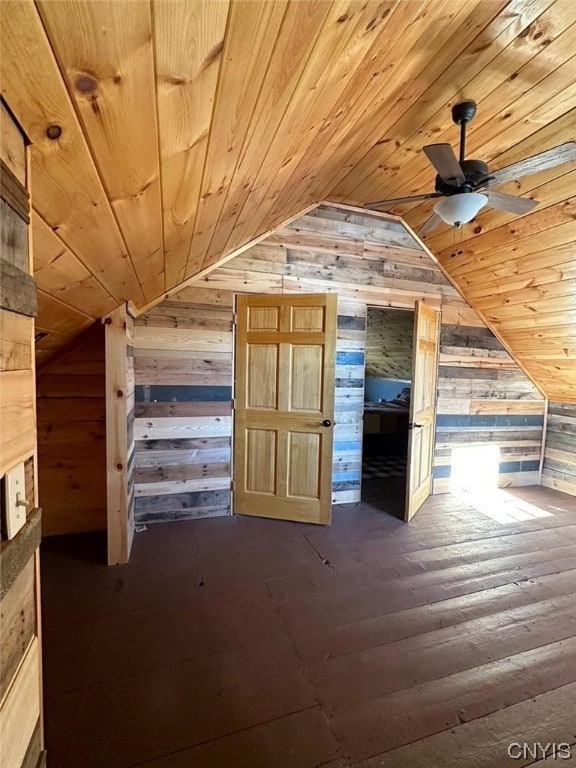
284 404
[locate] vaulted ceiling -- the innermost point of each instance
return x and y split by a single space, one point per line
168 134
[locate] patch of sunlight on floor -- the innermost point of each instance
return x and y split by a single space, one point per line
474 480
500 505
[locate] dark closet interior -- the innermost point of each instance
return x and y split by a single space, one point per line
388 373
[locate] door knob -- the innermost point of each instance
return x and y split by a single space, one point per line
326 423
415 426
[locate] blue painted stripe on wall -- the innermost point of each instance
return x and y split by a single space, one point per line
519 466
339 477
347 445
443 471
157 393
486 420
349 358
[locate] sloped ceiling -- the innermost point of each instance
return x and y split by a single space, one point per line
167 134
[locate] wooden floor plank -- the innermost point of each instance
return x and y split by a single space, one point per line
379 725
269 644
483 743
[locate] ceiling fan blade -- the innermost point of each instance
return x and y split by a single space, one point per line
510 203
446 163
430 224
563 153
400 200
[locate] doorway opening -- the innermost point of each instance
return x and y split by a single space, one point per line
387 388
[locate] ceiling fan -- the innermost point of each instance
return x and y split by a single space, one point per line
465 185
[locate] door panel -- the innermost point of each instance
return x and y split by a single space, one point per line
306 372
260 477
303 471
285 369
262 377
422 407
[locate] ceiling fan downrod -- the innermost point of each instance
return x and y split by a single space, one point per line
462 113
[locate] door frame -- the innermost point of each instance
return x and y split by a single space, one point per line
396 307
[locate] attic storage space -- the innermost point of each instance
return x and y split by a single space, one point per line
185 153
388 374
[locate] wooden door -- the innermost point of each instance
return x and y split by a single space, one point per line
422 408
284 406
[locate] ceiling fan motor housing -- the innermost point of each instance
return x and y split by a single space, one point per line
475 173
463 111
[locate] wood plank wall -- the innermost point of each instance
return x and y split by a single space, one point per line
348 401
484 398
21 736
559 470
389 337
367 261
72 437
130 419
183 425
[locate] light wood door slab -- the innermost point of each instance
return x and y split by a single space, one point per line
284 406
422 407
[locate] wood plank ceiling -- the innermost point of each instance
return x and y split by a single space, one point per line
168 134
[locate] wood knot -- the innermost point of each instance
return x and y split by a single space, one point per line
86 83
119 393
54 131
119 466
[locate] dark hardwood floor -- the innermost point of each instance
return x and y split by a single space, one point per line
249 643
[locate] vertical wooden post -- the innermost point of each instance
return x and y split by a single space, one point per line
118 385
543 446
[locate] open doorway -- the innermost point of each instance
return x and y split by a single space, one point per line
388 372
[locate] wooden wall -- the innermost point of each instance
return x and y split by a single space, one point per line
21 737
72 437
130 421
183 426
389 338
485 398
559 470
348 401
367 261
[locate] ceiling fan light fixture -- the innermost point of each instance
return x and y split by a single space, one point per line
460 209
